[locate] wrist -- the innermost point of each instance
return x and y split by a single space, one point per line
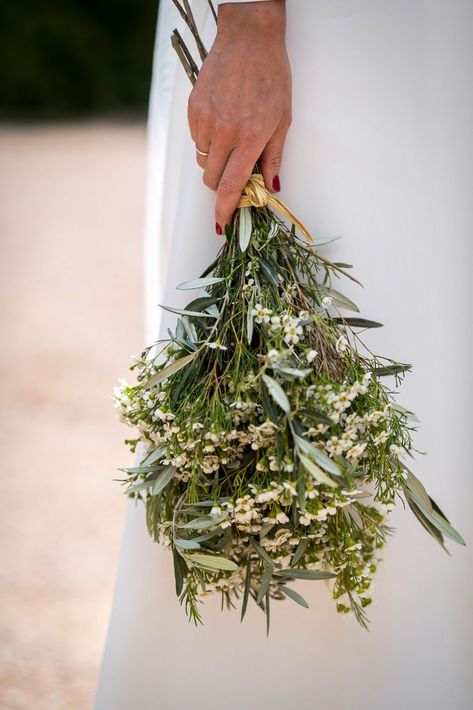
252 19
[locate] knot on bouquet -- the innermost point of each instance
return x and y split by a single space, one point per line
256 194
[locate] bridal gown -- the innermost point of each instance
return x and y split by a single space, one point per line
379 153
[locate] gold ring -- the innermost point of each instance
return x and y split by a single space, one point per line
201 152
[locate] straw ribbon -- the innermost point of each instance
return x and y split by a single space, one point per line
255 194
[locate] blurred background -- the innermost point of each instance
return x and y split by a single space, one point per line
74 78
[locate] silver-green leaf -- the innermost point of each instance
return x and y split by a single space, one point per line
170 369
305 574
314 453
184 312
212 562
294 596
163 479
342 301
277 393
245 228
205 522
199 283
316 472
154 456
430 509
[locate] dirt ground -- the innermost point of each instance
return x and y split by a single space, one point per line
71 217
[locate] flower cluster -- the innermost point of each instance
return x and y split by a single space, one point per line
270 450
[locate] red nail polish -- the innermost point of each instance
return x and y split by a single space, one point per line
276 183
218 228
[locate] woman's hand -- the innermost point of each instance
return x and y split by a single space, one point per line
240 107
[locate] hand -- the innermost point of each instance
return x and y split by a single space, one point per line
240 107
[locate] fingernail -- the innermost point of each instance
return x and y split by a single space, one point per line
218 228
276 183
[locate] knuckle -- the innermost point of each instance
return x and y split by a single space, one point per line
274 161
223 128
205 117
228 186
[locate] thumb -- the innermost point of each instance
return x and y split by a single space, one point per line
271 159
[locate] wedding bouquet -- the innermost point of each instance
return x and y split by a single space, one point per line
274 451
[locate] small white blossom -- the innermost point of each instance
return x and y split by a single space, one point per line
356 451
341 344
380 438
311 355
272 357
261 314
292 331
215 346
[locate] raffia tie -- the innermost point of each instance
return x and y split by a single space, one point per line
255 194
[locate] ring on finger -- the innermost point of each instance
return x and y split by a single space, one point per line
201 152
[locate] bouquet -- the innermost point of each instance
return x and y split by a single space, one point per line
273 449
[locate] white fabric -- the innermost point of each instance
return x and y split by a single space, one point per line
380 152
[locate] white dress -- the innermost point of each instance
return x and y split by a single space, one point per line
379 152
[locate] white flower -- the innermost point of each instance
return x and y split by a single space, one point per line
292 331
356 388
342 400
289 487
305 519
272 357
311 355
327 301
216 510
356 451
333 445
341 344
387 507
214 346
282 517
380 438
395 449
261 314
267 496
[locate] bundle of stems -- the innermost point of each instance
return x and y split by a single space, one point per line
273 449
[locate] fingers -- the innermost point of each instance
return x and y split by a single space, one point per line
237 171
271 159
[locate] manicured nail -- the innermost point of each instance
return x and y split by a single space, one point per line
218 228
276 183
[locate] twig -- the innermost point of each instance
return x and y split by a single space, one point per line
212 9
190 67
188 17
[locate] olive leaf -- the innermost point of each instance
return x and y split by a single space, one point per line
294 596
212 562
245 228
295 573
316 454
429 508
316 472
162 480
200 283
170 369
277 393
